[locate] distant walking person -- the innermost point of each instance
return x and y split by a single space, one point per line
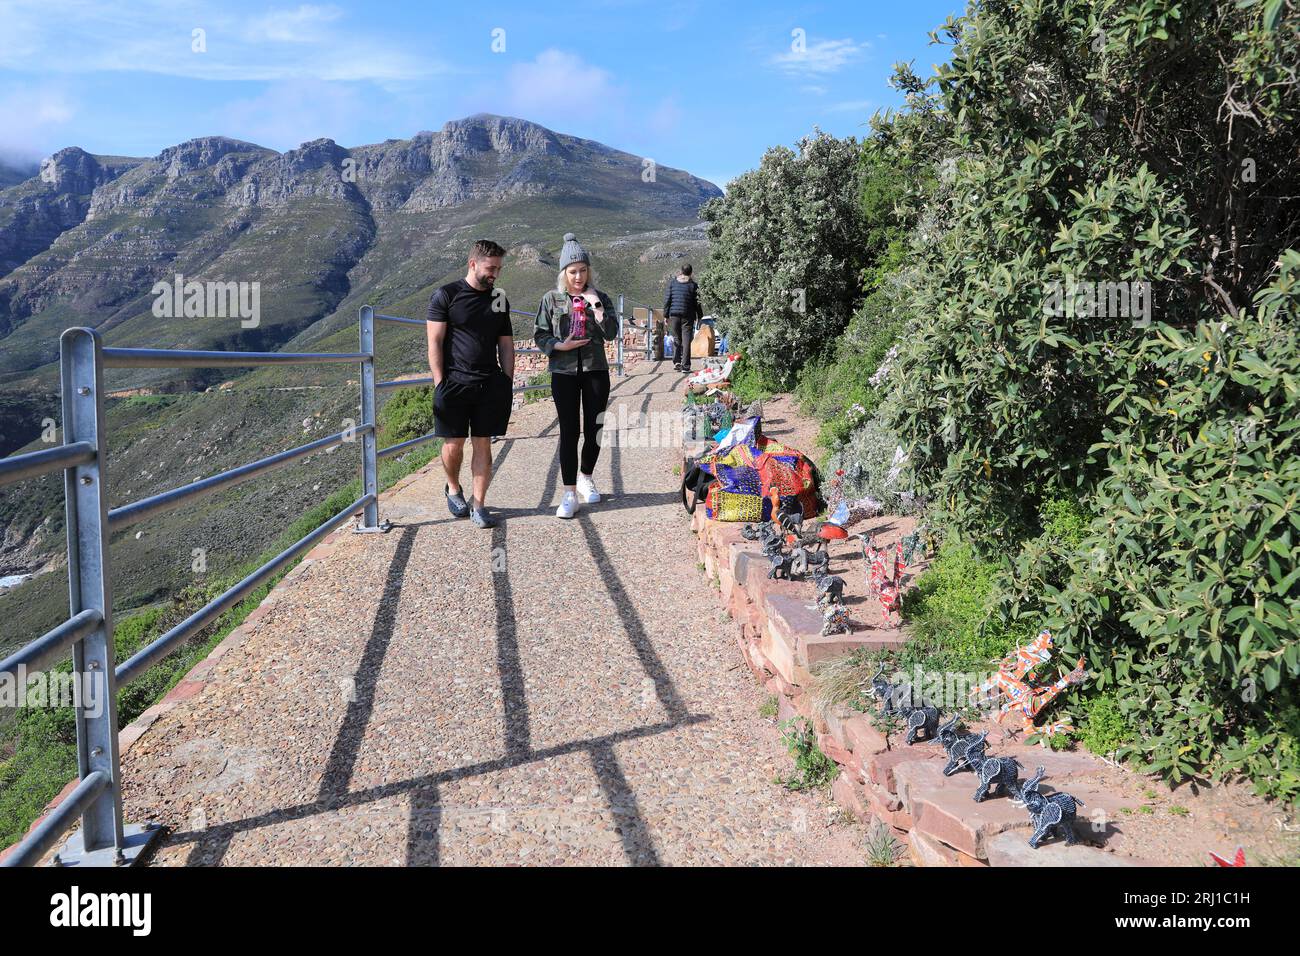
682 309
469 333
573 322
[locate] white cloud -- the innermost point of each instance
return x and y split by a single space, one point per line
307 24
33 117
292 112
850 106
820 58
556 84
152 36
814 90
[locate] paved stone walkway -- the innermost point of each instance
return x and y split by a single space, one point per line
544 692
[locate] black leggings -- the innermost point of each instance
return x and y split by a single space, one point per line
592 388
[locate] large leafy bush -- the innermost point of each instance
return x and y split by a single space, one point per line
788 249
1186 593
1150 142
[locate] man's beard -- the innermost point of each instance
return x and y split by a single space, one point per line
487 281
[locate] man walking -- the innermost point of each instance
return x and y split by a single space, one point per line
469 332
682 309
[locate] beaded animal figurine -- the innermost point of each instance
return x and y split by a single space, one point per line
835 620
997 773
1051 815
965 753
882 583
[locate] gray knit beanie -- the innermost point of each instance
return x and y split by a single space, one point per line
572 252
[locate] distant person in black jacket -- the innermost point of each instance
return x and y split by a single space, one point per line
682 308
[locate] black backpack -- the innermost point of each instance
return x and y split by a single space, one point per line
695 484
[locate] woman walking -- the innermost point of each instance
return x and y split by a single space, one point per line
573 323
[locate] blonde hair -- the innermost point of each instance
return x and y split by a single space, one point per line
562 282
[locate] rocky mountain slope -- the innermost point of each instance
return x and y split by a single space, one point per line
309 226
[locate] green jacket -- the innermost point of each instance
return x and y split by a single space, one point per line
552 327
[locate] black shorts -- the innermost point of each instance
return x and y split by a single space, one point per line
481 409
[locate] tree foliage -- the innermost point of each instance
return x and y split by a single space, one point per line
1089 143
789 245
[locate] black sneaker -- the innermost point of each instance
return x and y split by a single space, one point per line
456 503
481 518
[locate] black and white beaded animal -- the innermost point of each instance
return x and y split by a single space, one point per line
997 774
946 734
781 564
772 544
881 689
1052 815
817 558
964 750
899 702
922 720
830 589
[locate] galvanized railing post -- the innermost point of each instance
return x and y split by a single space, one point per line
102 839
369 440
619 350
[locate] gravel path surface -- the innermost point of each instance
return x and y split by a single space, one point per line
546 692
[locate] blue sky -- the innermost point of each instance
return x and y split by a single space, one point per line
705 87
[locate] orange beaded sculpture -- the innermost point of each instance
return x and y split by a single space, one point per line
1024 697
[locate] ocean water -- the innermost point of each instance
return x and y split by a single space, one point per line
13 580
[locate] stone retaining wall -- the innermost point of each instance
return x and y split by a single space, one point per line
882 778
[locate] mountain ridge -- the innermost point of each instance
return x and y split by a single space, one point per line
86 242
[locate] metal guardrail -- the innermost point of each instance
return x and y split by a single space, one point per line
104 838
648 328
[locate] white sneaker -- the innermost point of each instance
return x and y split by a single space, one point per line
568 506
587 490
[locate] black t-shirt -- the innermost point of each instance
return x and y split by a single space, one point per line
475 320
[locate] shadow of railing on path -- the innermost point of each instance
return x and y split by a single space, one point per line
426 812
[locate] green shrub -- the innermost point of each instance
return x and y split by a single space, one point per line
1184 597
789 244
813 769
1104 728
407 415
839 392
750 383
882 847
1177 436
536 395
952 613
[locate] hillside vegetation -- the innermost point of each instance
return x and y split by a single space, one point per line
1077 316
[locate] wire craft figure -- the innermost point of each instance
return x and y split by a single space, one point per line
882 580
1052 815
1022 695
